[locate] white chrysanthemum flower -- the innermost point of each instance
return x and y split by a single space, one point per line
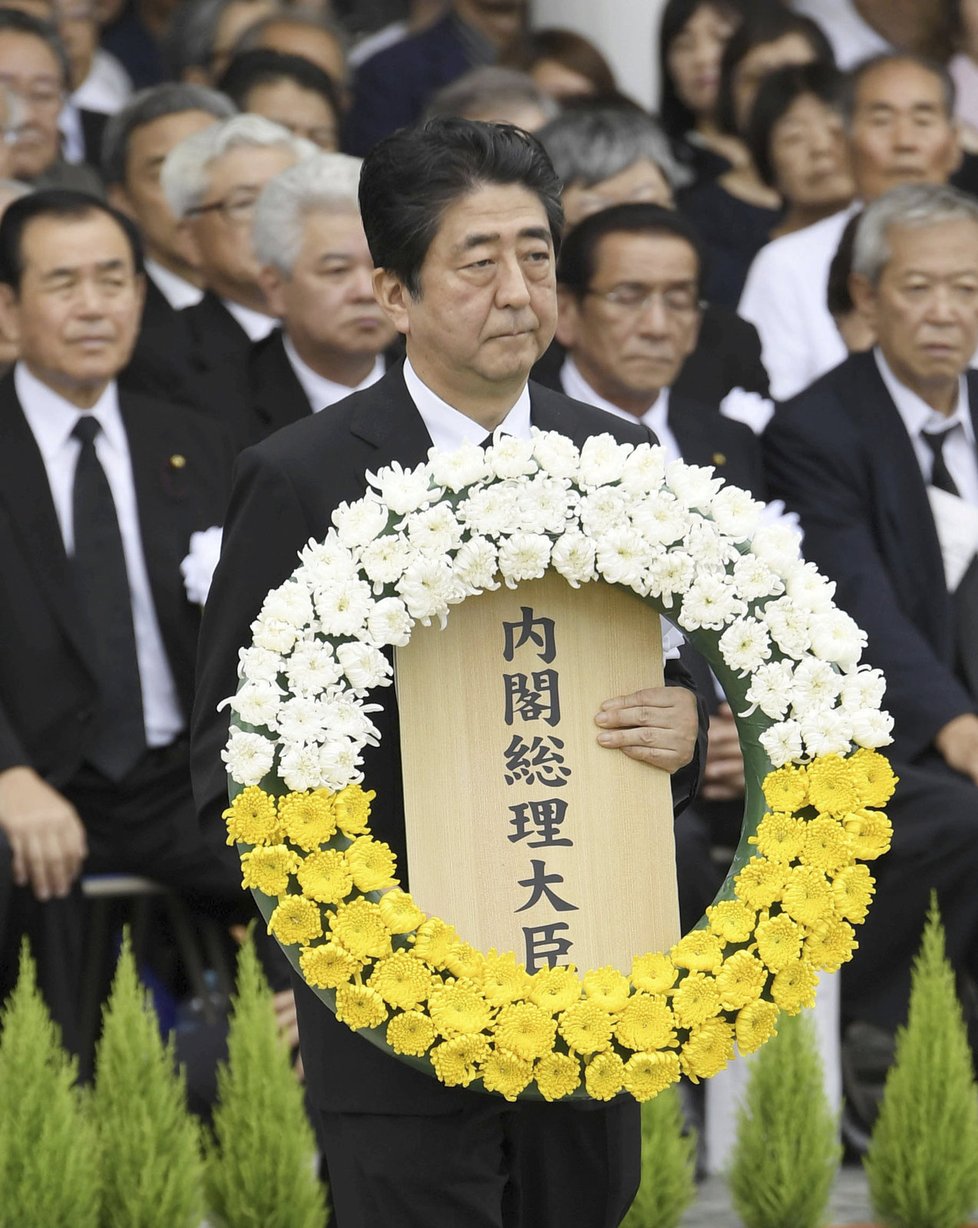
621 557
273 635
736 513
871 728
864 687
645 470
670 574
299 768
693 485
603 510
248 756
510 457
826 731
491 511
602 461
660 518
770 689
476 563
404 490
745 645
788 625
711 602
816 685
546 504
389 624
555 453
339 764
312 667
837 637
782 742
426 588
343 608
806 586
326 562
300 719
754 579
384 560
524 556
778 544
712 550
360 522
573 556
289 603
257 703
259 664
365 667
433 531
459 468
344 717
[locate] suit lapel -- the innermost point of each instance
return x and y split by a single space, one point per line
389 422
278 397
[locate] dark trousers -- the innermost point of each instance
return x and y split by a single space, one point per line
493 1165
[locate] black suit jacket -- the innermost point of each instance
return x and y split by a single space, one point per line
840 455
284 493
181 470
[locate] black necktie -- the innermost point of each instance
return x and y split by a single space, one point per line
965 597
118 737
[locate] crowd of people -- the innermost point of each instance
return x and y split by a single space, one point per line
777 273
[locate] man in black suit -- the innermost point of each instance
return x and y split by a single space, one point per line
878 458
462 220
100 493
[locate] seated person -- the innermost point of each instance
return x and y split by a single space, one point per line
289 90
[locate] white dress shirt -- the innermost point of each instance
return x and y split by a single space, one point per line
107 87
320 391
255 323
853 39
52 420
177 291
656 417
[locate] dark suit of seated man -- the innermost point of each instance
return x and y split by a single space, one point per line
462 220
867 456
100 492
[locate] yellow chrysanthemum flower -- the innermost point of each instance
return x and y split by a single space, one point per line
352 808
402 980
359 1006
586 1027
708 1050
252 818
456 1061
526 1030
786 788
400 912
604 1076
699 951
732 920
360 927
372 864
503 979
646 1023
755 1024
827 844
741 980
870 833
793 988
308 819
433 940
607 987
557 1075
327 966
654 973
506 1073
325 876
696 999
778 941
459 1008
295 920
832 785
412 1033
807 897
760 882
852 890
555 989
267 868
874 777
464 960
831 946
779 836
647 1074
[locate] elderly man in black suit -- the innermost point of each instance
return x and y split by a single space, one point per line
878 457
100 494
463 220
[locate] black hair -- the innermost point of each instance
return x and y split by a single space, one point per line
674 116
837 296
857 75
412 176
578 256
60 203
761 26
777 94
262 66
17 22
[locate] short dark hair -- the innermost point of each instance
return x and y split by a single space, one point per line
837 296
18 22
412 176
857 75
578 256
565 47
674 116
262 66
58 203
777 94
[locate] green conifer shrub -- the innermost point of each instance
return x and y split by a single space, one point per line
668 1165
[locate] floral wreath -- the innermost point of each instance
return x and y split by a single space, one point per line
731 577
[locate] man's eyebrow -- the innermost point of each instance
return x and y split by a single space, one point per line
481 239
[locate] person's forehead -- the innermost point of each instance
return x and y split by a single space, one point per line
73 242
950 240
322 226
900 83
21 51
165 131
249 164
491 209
658 252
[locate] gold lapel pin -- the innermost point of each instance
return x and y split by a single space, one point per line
177 461
719 458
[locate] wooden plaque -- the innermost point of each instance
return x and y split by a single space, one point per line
522 831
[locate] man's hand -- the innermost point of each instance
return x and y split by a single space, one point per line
957 741
657 726
723 776
46 835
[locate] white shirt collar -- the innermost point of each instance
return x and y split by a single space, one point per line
320 391
177 291
656 417
52 419
449 428
255 323
917 415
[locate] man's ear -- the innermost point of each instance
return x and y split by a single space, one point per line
394 299
272 284
863 295
568 316
9 314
